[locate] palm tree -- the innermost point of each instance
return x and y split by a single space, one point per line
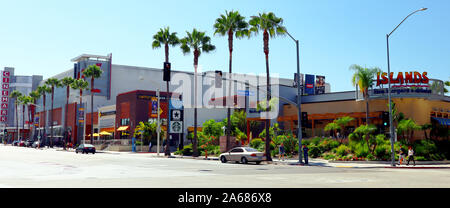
80 84
407 126
24 100
364 77
364 131
343 123
52 83
15 95
34 95
164 37
447 84
232 23
332 127
66 81
43 90
198 42
271 27
94 72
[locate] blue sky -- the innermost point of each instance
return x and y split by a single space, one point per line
40 37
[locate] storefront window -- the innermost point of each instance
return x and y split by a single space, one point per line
125 122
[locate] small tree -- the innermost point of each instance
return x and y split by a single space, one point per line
343 122
406 128
332 127
365 131
212 128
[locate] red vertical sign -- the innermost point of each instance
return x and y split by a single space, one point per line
5 96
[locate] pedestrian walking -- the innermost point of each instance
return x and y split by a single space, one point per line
401 155
305 153
281 151
411 156
149 146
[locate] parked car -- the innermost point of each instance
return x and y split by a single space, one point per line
85 148
29 143
21 143
243 155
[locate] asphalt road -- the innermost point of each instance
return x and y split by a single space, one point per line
27 167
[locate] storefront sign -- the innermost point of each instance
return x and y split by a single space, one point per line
309 84
402 91
5 95
409 79
320 84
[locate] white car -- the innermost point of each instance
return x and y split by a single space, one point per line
243 155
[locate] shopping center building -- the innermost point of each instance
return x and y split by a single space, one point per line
425 104
126 95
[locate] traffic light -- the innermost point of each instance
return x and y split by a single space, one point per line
218 81
304 119
385 118
166 76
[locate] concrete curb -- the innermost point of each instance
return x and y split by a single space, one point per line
445 162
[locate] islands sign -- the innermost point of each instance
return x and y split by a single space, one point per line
409 79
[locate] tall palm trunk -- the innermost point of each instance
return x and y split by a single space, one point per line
84 119
92 110
17 121
65 116
367 108
45 120
266 52
167 150
194 145
51 120
23 121
230 47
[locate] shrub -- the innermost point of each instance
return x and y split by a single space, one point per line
370 157
314 151
306 142
382 152
342 150
328 144
187 150
255 143
315 141
425 148
329 156
290 144
216 150
361 150
418 158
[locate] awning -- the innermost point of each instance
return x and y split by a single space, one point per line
442 121
123 128
105 133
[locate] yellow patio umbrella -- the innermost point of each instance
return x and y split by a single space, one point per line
105 133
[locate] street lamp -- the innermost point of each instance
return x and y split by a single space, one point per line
299 99
391 127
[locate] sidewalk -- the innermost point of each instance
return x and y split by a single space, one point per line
364 164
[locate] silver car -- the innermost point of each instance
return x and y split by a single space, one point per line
243 155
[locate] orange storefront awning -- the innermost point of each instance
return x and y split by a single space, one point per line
123 128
